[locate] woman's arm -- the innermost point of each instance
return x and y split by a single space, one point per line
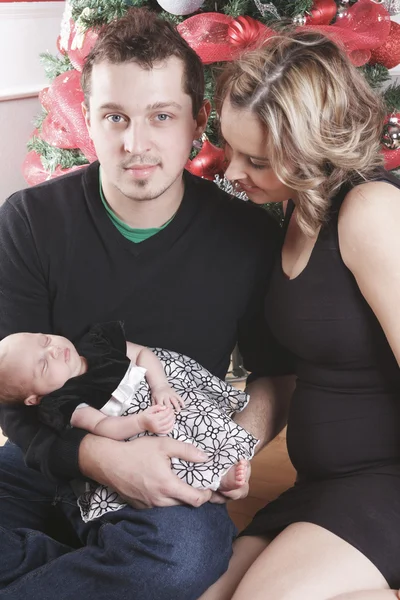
369 240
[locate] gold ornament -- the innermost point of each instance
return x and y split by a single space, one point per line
391 134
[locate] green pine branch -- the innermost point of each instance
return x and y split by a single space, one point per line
391 97
99 12
174 19
235 8
53 157
54 65
291 8
376 75
39 119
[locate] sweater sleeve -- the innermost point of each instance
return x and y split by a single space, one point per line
25 305
262 355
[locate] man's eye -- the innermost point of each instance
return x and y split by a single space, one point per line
114 118
163 117
44 367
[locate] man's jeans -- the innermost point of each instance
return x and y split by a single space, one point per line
153 554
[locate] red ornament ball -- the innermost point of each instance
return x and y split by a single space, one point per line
209 162
388 54
245 31
322 12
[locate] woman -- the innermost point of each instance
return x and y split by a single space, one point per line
301 124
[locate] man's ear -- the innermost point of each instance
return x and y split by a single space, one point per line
32 400
86 115
202 118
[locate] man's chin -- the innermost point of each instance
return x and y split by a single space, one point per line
145 192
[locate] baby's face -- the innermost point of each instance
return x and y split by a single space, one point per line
43 362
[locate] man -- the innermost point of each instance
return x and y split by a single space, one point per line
185 267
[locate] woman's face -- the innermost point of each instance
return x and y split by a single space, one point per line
246 153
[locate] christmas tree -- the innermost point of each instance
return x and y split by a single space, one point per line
219 30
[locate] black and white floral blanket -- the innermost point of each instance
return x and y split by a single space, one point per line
205 422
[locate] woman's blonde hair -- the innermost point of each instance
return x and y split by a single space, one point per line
323 120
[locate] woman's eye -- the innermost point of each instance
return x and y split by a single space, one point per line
258 165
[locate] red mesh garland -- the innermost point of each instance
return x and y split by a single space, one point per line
389 53
216 37
34 172
64 126
77 54
366 26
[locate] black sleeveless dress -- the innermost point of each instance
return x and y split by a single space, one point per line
343 431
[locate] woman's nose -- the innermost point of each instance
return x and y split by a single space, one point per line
234 170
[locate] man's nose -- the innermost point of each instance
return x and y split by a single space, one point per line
137 138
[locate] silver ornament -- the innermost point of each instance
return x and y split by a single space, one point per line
230 187
391 134
299 20
266 8
342 12
392 6
180 7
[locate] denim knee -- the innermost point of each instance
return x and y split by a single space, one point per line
170 553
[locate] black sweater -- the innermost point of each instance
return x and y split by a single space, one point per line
195 287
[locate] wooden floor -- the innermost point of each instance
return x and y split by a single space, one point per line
271 474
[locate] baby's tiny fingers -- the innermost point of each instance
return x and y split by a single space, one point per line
175 404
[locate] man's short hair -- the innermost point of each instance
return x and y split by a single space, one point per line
142 37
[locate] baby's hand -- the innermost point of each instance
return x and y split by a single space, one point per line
165 395
158 419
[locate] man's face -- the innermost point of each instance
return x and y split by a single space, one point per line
142 126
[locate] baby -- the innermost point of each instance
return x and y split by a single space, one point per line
92 385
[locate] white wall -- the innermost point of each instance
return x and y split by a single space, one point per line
26 30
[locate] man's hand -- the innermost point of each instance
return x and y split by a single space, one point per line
140 470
